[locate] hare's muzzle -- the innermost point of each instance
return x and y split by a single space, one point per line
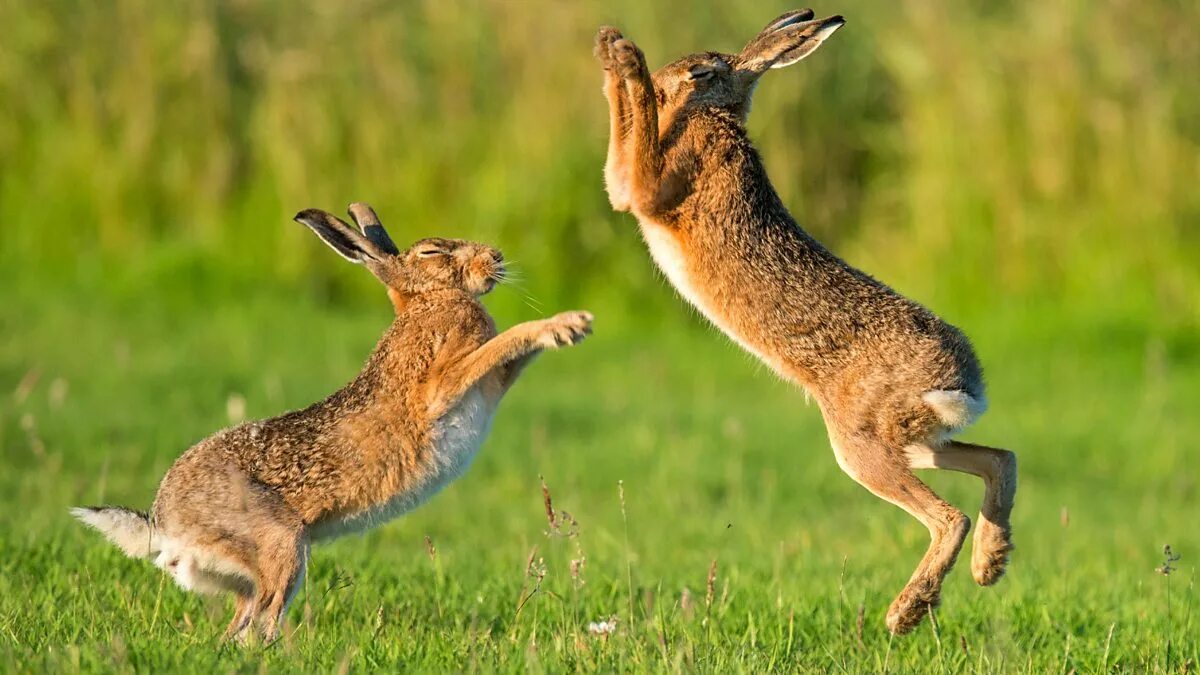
487 266
495 265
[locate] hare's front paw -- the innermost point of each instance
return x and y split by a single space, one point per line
605 38
629 59
568 328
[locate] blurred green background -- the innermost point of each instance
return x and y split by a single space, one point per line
1028 170
972 152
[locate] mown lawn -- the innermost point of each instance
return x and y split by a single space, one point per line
679 459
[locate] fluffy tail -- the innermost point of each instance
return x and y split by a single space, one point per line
128 529
955 407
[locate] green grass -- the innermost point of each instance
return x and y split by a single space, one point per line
718 461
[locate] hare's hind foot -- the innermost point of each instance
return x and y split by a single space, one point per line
243 614
998 469
888 477
923 592
275 598
266 605
989 554
993 536
913 604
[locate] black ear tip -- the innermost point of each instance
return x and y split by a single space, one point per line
831 25
307 215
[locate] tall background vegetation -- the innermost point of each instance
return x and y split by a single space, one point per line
970 152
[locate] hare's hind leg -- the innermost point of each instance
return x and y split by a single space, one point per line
243 614
282 561
998 469
215 565
887 475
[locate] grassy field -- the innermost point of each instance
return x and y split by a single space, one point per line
1029 170
668 465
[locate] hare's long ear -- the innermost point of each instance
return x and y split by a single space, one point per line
786 40
364 216
340 236
786 19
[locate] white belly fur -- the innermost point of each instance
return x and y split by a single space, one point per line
456 440
668 255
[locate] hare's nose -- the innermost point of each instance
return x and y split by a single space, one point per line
497 257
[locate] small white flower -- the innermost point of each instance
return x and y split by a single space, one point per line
603 627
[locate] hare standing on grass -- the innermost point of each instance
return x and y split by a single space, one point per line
238 511
893 381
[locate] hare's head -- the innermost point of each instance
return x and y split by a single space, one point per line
712 79
428 265
453 263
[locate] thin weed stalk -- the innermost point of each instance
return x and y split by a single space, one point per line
1107 646
628 558
1166 569
431 550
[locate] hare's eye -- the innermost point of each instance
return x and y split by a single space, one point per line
700 72
430 252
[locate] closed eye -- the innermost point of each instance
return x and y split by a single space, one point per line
430 252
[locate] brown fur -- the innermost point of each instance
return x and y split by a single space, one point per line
253 496
680 160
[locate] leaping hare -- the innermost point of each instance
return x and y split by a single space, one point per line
237 512
893 381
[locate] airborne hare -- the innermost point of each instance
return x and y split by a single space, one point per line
237 512
893 381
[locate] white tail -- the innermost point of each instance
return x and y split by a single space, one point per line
955 407
130 530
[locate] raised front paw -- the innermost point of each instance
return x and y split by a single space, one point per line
605 38
629 59
568 328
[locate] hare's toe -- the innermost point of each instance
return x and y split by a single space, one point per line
605 38
560 336
989 552
628 57
911 606
568 328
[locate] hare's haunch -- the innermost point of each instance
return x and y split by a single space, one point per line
893 381
237 512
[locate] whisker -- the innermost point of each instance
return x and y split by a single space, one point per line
527 298
528 304
513 278
533 302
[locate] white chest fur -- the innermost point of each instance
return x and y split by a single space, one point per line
458 437
670 258
455 440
